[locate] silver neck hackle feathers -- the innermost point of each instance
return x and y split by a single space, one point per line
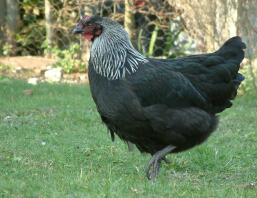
112 54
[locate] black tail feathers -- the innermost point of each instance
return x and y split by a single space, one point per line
233 50
233 53
239 78
237 81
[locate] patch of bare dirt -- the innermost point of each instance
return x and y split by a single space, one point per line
26 67
28 62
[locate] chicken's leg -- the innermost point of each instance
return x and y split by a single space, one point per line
130 146
155 162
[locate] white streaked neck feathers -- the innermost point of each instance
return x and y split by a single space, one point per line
113 55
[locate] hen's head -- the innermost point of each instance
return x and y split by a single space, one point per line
112 54
92 27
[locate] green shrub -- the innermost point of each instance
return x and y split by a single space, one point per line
249 84
6 49
68 59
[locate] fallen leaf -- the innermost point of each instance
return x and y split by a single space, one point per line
28 92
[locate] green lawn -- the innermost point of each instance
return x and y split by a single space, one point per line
52 144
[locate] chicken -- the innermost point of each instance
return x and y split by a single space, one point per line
161 106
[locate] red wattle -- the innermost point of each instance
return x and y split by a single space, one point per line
88 36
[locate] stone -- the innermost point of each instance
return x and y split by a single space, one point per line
53 74
33 81
28 92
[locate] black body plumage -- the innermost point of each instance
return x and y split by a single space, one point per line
168 102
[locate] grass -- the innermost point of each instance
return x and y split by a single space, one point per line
52 144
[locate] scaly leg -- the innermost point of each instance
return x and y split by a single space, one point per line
155 162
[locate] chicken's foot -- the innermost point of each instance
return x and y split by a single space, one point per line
155 162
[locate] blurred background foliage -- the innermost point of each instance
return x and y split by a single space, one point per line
162 29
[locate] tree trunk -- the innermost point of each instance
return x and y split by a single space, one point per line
12 22
49 26
209 22
129 20
247 27
2 22
213 22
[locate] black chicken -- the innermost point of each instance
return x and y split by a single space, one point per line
161 106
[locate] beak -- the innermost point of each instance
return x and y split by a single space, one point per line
78 30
